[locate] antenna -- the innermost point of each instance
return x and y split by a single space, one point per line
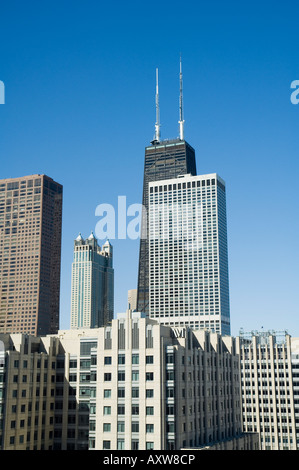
181 121
157 125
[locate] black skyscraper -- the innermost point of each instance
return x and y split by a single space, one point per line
163 160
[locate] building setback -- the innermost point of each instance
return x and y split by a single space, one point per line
188 259
30 254
92 295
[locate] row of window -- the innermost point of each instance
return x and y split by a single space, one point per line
149 410
149 428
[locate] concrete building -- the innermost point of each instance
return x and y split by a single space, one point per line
27 392
92 295
188 259
131 385
30 254
269 363
137 384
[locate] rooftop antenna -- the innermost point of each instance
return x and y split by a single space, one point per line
157 125
181 121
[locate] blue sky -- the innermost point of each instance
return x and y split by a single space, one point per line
80 107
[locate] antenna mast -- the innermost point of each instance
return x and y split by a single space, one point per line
157 125
181 121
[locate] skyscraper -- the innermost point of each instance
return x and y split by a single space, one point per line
163 160
92 301
188 275
30 253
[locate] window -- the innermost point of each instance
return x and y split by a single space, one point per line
106 445
121 393
135 444
149 359
149 428
106 427
149 393
135 358
121 359
107 360
149 410
107 393
149 446
149 376
135 375
121 409
120 426
121 376
135 426
107 377
107 410
120 444
135 410
135 392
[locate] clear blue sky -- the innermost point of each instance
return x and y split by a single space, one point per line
80 84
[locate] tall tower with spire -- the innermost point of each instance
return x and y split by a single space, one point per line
92 301
164 159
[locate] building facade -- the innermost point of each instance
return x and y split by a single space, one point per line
132 299
188 259
137 384
132 385
30 254
27 392
163 160
269 364
92 295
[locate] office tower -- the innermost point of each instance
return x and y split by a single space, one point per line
92 298
132 299
139 385
27 392
188 278
30 252
269 365
164 159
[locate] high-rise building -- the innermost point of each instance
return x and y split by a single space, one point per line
269 365
188 260
139 385
30 254
132 385
92 296
27 391
164 159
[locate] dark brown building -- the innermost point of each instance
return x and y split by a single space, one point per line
30 254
